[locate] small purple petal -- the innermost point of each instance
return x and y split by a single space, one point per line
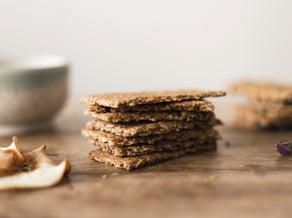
282 149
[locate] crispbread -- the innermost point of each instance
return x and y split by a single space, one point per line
197 105
255 116
130 163
116 100
145 129
141 149
263 107
269 105
153 117
131 130
266 91
110 139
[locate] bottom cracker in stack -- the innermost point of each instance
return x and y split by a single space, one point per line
131 130
269 105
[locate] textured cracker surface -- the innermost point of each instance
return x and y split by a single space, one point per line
97 137
116 100
152 117
144 129
256 117
266 91
197 105
130 163
141 149
269 105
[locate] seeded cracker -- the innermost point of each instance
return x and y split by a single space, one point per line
249 118
131 130
269 105
264 91
109 139
141 149
194 105
130 163
145 129
146 116
116 100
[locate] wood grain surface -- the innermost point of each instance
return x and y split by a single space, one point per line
245 177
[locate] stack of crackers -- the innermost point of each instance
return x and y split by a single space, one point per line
131 130
269 105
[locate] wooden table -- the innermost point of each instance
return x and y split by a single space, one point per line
245 177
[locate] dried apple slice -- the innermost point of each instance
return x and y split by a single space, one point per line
10 158
36 171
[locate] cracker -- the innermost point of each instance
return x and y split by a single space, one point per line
141 149
145 129
110 139
198 105
266 91
116 100
152 117
130 163
257 117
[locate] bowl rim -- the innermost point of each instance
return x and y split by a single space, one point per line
31 63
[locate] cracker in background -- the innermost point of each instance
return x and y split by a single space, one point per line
264 91
255 117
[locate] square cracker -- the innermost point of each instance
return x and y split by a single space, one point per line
145 129
116 100
130 163
152 117
196 105
265 91
254 116
141 149
110 139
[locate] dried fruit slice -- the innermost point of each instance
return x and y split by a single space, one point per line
10 158
36 171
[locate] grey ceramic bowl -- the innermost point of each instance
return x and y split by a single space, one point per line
32 90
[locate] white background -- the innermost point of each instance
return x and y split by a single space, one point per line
135 45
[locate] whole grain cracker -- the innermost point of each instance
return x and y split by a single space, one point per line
197 105
96 136
116 100
256 117
145 129
130 163
152 117
141 149
268 91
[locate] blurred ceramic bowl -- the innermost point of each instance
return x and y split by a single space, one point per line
32 90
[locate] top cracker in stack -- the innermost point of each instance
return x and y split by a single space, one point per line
131 130
269 105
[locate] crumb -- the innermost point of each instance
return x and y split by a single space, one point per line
104 176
